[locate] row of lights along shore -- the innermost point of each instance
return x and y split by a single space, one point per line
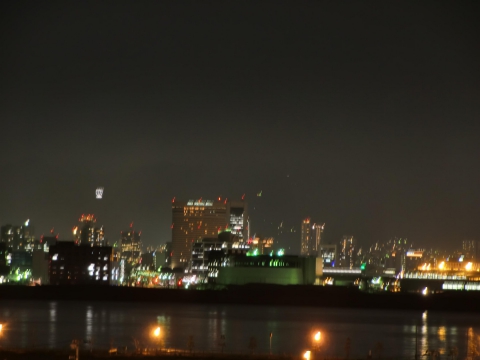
316 341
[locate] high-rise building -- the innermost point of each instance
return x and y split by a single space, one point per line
197 219
71 264
311 235
238 219
306 238
131 245
18 237
347 252
87 233
470 249
317 230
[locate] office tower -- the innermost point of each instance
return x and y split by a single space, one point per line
238 219
317 230
470 249
18 237
306 238
87 233
197 219
347 252
72 264
131 245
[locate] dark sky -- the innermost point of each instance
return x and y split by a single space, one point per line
362 115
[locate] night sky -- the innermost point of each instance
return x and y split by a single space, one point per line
362 115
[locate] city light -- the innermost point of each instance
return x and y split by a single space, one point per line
306 355
441 266
156 332
468 267
317 336
425 291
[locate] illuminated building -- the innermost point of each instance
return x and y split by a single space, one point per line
470 248
238 218
268 269
87 233
264 245
18 237
84 264
329 254
317 230
207 249
21 261
198 219
311 235
347 252
306 238
131 245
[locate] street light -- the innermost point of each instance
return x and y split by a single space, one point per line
316 344
306 355
156 334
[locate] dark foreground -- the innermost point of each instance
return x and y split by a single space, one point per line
152 355
257 294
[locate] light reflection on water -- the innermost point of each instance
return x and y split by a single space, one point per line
389 333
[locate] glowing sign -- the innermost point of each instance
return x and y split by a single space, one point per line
99 193
200 203
415 253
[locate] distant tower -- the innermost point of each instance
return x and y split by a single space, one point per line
347 251
306 238
87 233
195 220
131 245
317 231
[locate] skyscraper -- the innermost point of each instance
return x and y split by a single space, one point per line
347 251
306 238
317 230
131 245
87 233
18 237
197 219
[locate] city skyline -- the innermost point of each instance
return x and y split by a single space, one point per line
363 117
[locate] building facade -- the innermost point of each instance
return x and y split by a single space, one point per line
197 219
72 264
19 237
87 233
131 245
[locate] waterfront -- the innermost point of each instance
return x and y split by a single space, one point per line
37 324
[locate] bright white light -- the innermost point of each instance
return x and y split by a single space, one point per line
27 222
55 257
425 291
306 355
317 336
156 332
468 267
99 193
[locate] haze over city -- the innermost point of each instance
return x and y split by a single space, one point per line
361 117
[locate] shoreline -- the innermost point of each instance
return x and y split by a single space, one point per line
255 294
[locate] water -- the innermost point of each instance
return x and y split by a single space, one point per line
54 324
